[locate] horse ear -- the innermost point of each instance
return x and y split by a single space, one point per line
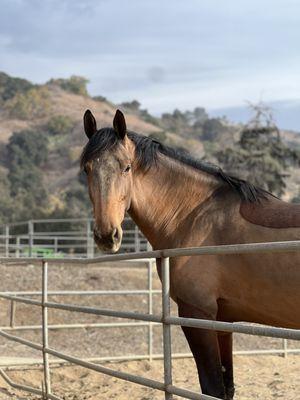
90 124
119 124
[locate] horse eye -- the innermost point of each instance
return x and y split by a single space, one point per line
127 169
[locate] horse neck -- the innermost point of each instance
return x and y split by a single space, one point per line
167 198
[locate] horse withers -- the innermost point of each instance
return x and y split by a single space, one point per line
178 201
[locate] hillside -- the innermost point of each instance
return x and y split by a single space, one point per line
62 102
54 112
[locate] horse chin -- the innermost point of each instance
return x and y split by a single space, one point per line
109 249
114 249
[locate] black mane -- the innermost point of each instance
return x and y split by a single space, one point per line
147 150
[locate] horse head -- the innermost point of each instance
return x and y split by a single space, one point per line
107 161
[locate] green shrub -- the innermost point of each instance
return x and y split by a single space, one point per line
26 152
261 157
27 147
34 103
74 84
9 86
59 125
7 206
99 98
212 128
133 106
160 136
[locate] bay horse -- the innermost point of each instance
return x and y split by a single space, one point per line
178 201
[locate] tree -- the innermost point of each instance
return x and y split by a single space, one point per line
191 123
200 115
26 152
133 106
176 122
100 98
27 148
9 86
260 155
7 207
211 128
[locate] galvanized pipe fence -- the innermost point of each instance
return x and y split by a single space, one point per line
165 318
150 293
61 238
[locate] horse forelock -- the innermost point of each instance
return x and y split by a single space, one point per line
102 140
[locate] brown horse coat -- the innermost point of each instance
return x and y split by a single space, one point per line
250 287
179 202
272 213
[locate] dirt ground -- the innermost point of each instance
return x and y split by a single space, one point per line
257 377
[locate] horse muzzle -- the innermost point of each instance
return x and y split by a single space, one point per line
109 243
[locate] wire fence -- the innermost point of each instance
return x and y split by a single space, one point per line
165 318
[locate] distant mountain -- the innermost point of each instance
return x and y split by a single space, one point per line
286 114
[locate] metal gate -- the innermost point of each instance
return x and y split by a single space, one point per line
165 318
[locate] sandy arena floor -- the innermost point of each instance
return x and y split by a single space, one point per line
257 377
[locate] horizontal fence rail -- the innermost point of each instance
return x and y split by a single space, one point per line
60 238
165 319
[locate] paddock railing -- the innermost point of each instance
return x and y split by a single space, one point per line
165 318
149 294
62 238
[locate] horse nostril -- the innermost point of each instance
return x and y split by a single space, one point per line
115 235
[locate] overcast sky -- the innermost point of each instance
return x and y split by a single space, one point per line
166 54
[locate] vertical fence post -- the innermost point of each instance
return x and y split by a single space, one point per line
136 239
45 329
285 347
6 240
30 237
12 313
148 246
165 265
89 241
150 311
55 240
18 246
